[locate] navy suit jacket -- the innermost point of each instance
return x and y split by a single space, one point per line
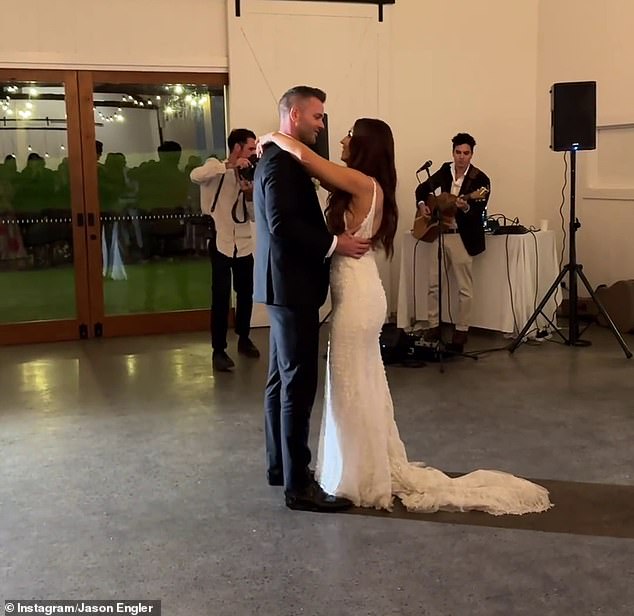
292 241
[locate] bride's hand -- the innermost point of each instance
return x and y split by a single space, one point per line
261 142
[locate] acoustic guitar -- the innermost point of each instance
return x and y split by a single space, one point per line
443 209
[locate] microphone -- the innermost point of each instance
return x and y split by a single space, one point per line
426 165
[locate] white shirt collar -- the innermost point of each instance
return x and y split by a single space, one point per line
453 172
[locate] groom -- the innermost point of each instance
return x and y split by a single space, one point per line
292 262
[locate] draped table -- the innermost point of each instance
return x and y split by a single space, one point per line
509 279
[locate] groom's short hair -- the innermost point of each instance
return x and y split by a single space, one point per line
299 93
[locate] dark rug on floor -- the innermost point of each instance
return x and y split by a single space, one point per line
594 509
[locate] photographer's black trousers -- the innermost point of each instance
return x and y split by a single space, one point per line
222 269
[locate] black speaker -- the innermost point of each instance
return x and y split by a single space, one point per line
321 145
573 116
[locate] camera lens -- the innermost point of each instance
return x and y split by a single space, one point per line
247 173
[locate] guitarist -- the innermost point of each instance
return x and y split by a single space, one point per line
463 234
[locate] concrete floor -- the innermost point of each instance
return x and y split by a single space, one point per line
129 471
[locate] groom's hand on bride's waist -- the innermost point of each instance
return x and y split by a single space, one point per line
350 246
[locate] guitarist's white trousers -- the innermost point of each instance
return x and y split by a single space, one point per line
457 267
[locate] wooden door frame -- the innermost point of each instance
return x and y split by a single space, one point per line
63 329
128 324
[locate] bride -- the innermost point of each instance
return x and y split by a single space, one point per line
361 456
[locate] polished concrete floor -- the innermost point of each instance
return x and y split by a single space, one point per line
130 471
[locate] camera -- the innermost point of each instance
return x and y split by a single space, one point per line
247 173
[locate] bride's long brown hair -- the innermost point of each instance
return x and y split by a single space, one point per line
371 151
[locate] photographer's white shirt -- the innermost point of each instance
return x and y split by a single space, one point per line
232 238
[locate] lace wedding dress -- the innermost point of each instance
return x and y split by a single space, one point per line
361 455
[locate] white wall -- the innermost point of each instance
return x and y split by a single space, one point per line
431 70
590 40
117 34
275 45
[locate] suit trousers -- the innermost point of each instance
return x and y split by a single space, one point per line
290 391
222 268
457 262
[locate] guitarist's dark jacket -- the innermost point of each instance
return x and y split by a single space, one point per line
469 224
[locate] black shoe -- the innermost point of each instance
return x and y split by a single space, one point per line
432 334
276 478
313 498
246 347
458 341
222 362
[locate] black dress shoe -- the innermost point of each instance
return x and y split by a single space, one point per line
276 478
222 362
246 347
432 334
458 341
313 498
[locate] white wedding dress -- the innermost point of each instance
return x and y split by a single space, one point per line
361 455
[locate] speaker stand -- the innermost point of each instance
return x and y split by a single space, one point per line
572 269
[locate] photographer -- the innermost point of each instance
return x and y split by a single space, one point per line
226 194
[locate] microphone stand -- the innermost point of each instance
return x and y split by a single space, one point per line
441 349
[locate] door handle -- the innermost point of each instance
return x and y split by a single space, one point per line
91 219
80 220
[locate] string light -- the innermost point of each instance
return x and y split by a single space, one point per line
180 101
184 100
29 107
116 117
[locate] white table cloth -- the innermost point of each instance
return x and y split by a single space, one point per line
509 280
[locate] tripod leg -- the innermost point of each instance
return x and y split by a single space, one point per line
539 308
604 312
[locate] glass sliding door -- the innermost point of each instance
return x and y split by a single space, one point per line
43 283
100 226
150 131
